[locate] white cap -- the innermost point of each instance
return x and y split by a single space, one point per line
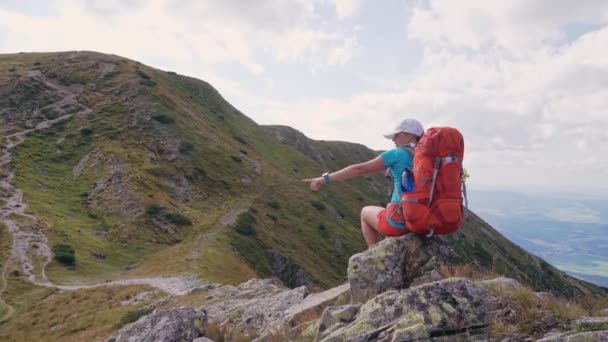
412 126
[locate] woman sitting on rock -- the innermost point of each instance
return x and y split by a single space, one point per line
375 219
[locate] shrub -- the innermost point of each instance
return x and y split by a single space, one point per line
64 254
274 204
272 217
178 219
86 131
245 223
153 209
163 118
236 159
132 316
185 147
318 205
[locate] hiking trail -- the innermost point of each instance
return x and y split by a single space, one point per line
29 245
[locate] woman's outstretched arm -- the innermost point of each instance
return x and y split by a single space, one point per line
367 168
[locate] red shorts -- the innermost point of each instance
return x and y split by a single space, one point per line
386 228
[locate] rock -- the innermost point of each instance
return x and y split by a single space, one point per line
202 339
590 324
396 263
377 270
548 322
594 336
435 309
501 284
337 315
290 273
164 325
313 306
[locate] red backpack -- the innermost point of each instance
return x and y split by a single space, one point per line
435 206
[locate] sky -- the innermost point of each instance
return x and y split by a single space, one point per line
526 82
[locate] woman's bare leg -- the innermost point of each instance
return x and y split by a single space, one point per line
369 225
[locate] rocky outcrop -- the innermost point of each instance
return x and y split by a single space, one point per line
259 306
281 267
443 308
296 139
396 263
395 292
165 325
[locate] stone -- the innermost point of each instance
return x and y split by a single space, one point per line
396 263
377 270
593 336
337 315
424 311
313 306
164 325
502 284
590 324
282 267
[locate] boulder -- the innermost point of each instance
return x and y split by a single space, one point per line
593 336
441 308
590 324
164 325
396 263
337 315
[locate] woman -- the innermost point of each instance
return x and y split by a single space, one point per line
374 219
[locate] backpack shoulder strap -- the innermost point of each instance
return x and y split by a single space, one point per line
409 149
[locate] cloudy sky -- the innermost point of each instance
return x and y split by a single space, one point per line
525 81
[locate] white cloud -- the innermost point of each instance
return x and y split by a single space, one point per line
507 24
525 82
346 8
214 32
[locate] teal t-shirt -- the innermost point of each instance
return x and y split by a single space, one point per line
397 160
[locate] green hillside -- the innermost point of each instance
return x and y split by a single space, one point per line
154 173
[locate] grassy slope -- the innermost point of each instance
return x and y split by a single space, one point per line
219 135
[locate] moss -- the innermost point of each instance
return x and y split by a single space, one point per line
422 297
447 307
411 333
435 314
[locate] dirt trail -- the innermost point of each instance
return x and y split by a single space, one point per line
29 247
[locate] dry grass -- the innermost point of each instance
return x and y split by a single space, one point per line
502 329
532 308
563 309
465 271
48 315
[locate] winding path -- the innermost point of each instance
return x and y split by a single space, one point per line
29 246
